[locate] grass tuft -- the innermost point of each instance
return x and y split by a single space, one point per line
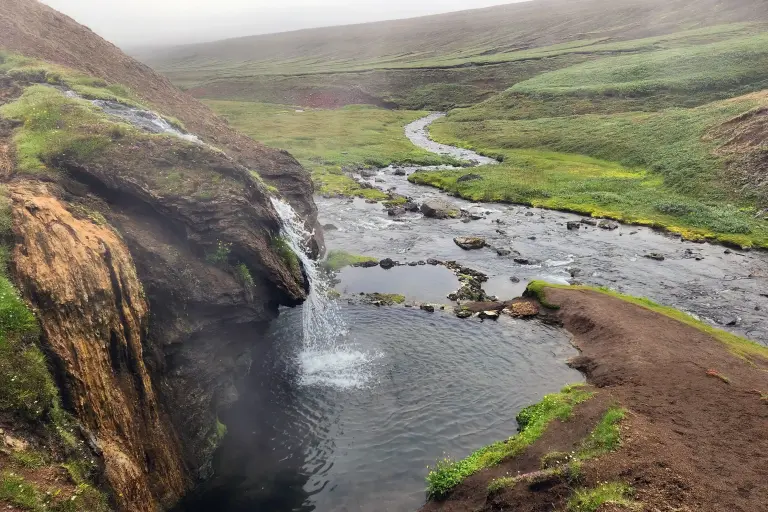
615 493
338 259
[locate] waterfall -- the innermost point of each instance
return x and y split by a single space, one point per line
328 356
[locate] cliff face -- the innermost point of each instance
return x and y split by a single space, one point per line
152 263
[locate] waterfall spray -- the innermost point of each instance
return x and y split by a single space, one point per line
328 357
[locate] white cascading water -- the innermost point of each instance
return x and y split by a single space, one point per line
328 356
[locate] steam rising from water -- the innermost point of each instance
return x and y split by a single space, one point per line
328 357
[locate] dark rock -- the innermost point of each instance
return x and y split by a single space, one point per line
395 211
655 256
432 261
466 220
514 279
368 173
633 232
410 206
469 177
439 209
501 251
421 263
573 225
371 201
610 225
727 251
499 221
575 272
589 221
399 172
501 232
330 227
533 237
387 263
427 307
412 264
525 261
529 214
366 264
469 242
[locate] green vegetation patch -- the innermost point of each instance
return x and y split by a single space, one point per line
533 422
614 493
651 169
338 259
283 249
17 491
748 350
54 125
332 143
606 437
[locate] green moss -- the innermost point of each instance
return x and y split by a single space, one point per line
337 259
590 500
14 489
244 274
746 349
30 459
533 422
289 257
384 299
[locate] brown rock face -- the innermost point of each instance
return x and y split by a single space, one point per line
93 311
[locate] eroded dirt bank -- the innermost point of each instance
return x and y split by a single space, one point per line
694 435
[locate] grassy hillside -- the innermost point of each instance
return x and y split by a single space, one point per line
328 142
445 61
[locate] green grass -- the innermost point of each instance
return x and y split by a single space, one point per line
328 142
19 492
590 500
337 259
533 422
30 459
606 437
283 249
743 348
653 169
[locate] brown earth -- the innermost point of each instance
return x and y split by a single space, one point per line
692 441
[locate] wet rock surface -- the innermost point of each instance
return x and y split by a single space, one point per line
469 243
439 209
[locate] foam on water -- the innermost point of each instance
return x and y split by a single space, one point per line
327 358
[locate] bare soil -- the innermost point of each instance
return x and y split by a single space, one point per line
691 442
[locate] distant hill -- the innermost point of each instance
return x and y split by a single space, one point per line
449 39
445 61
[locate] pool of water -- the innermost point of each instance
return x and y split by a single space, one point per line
354 427
423 283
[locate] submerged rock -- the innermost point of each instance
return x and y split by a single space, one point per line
330 227
503 251
655 256
514 279
427 307
573 225
469 242
395 211
439 209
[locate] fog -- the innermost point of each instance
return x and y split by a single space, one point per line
139 23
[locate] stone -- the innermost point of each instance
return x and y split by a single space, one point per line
469 243
610 225
469 177
410 206
589 221
412 263
330 227
399 172
439 209
573 225
514 279
387 263
368 173
427 307
433 262
501 232
366 264
395 211
525 261
421 263
502 251
462 313
655 256
489 315
522 309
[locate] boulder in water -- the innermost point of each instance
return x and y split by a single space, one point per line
395 211
439 209
469 243
428 308
655 256
573 225
387 263
399 172
589 221
410 206
610 225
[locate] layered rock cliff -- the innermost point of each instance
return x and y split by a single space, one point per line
152 263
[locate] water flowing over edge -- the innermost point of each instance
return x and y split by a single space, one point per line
328 356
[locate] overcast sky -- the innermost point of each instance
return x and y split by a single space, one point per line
131 23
